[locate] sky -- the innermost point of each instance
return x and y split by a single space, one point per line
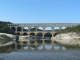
40 11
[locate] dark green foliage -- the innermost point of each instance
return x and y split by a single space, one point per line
4 28
71 29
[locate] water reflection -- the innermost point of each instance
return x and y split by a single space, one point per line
48 46
29 51
40 47
37 45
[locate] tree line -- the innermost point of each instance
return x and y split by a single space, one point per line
4 28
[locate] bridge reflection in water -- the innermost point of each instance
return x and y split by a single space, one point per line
37 46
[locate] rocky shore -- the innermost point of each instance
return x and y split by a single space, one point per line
68 38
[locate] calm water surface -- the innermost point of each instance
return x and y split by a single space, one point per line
42 51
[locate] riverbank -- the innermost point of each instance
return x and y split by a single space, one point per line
68 38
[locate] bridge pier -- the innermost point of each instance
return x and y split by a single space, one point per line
15 46
16 29
29 28
22 29
36 47
22 47
29 48
44 45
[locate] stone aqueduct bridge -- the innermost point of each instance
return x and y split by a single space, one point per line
36 25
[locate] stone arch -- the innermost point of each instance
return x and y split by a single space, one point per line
40 29
56 28
33 29
39 35
18 28
64 27
25 34
25 28
13 29
47 35
33 34
48 29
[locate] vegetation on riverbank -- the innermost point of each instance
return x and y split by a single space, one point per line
70 29
4 28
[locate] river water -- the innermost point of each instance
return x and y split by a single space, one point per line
40 51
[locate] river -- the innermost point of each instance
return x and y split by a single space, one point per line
40 51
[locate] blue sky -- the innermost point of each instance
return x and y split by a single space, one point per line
40 11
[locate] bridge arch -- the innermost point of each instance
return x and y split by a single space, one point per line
48 34
13 29
25 29
33 34
48 29
56 28
32 28
25 34
39 34
40 28
18 28
64 27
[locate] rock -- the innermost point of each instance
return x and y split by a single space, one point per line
67 38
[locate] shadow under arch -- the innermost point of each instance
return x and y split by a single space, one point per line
39 35
13 29
18 28
47 38
25 34
33 34
48 34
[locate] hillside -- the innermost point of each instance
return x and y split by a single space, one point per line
71 29
4 28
